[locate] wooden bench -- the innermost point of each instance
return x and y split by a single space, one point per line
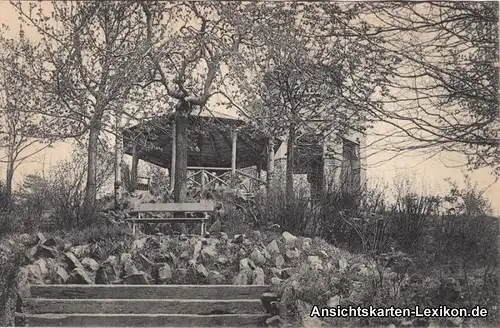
175 208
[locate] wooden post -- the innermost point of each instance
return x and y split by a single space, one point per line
233 157
270 163
259 167
202 181
323 187
172 161
135 163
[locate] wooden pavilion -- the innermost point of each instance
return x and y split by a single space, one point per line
220 150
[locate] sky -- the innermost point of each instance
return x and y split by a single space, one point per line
427 169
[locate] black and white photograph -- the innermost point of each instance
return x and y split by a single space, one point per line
249 163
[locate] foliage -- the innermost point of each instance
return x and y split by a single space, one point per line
9 267
20 133
82 84
469 201
61 191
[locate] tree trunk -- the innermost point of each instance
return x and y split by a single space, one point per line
270 164
91 187
8 180
118 161
290 154
181 154
181 122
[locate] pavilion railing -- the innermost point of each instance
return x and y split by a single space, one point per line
207 178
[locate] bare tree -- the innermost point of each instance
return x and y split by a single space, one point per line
445 92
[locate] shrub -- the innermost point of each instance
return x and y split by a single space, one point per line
60 192
469 201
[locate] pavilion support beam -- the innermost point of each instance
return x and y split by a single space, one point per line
172 158
135 163
259 167
270 164
233 157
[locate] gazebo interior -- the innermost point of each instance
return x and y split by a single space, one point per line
210 142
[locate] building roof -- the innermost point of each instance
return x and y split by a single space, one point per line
209 142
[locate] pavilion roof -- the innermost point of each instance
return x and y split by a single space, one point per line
209 142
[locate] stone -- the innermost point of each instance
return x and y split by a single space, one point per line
79 276
276 281
258 276
164 272
90 264
173 258
31 252
138 278
40 238
184 255
289 238
455 321
80 250
257 257
342 264
42 264
23 285
196 251
34 274
62 275
127 265
182 272
216 227
241 278
287 272
46 251
304 311
50 242
209 253
275 321
272 247
314 260
112 267
292 254
72 261
277 272
306 244
139 244
280 261
238 239
201 270
256 235
246 264
266 254
216 278
333 301
25 239
269 302
101 276
222 259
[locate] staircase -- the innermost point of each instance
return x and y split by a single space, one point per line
144 305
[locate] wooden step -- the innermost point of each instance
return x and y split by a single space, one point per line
216 292
144 306
144 320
